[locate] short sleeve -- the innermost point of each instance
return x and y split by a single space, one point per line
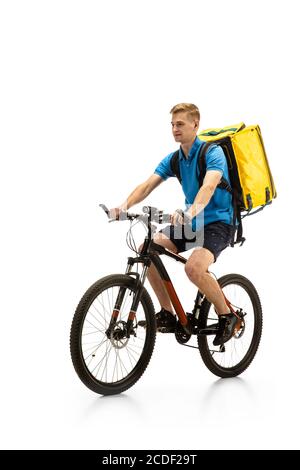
215 159
163 169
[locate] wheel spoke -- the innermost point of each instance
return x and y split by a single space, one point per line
96 349
107 312
105 368
130 354
102 326
132 351
96 328
90 333
121 362
101 360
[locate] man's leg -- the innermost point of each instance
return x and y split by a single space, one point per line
153 276
196 269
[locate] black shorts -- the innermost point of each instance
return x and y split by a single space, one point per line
215 237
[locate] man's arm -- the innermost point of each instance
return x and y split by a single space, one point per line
138 194
210 182
142 191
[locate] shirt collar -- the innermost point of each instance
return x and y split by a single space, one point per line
193 150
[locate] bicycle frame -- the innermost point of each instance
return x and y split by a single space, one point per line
147 256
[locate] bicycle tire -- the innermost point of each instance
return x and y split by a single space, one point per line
211 364
100 387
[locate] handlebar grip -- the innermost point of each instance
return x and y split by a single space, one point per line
103 206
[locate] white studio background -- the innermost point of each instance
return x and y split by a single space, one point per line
86 88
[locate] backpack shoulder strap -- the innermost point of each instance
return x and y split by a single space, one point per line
174 163
223 185
202 162
202 167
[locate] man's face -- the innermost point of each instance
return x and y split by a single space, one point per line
184 128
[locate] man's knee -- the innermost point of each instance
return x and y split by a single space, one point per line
196 267
195 270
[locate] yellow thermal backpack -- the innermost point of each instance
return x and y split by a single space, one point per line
251 182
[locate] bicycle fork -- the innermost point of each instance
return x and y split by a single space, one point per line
140 279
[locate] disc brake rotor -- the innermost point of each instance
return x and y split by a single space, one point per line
118 336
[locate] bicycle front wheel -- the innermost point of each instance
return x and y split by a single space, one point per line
238 353
110 361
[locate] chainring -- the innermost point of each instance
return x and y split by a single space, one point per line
181 336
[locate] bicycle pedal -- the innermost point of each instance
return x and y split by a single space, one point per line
142 323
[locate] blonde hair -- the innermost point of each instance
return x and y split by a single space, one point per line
190 108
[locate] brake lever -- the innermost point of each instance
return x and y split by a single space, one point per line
103 206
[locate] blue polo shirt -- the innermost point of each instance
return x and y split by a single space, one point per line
220 206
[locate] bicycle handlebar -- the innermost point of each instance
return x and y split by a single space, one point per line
151 214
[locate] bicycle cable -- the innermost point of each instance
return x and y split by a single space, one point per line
130 238
210 272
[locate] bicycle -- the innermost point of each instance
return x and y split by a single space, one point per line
114 327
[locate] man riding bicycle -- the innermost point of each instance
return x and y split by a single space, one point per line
208 214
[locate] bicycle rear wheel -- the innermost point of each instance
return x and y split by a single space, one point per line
238 353
110 362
